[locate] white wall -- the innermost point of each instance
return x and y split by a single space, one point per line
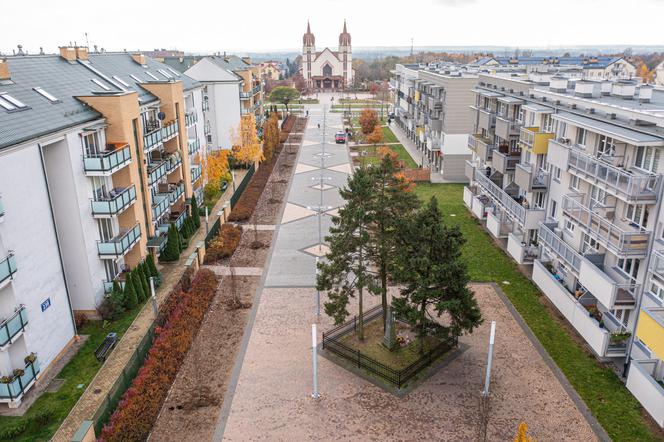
28 231
224 113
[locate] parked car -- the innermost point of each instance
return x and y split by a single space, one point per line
340 137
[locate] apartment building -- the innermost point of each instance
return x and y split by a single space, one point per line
232 87
431 106
587 67
107 149
567 175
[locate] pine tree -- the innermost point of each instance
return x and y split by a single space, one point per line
391 201
131 300
143 273
345 274
435 279
195 212
137 282
117 298
152 267
172 250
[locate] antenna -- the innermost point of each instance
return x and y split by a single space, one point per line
87 42
411 46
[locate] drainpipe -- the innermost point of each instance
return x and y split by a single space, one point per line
639 299
57 237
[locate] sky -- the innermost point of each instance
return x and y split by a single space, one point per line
261 25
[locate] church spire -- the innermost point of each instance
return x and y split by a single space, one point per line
308 38
344 37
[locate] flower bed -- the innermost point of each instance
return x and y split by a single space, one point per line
224 244
182 315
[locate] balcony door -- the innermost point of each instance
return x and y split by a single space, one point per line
91 144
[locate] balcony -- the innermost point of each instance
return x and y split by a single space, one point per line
158 242
533 139
175 192
506 129
469 170
11 328
554 243
248 94
114 158
173 160
609 287
497 223
160 204
436 124
622 241
650 329
522 253
2 210
486 120
526 217
169 130
156 171
485 149
624 184
152 139
656 265
571 308
113 204
120 245
7 269
178 219
13 392
503 162
194 145
646 388
190 118
529 181
196 172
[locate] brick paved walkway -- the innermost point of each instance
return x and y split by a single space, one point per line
101 384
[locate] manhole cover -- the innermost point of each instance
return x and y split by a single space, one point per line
55 385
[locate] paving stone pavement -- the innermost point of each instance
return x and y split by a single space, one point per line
239 271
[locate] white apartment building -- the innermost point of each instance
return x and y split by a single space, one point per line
567 175
105 147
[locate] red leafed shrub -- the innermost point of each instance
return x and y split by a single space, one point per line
224 244
141 403
245 206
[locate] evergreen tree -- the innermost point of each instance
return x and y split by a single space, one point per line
143 273
435 279
345 273
117 298
172 250
152 267
391 201
195 212
137 282
131 301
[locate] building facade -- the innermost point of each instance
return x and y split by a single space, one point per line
567 175
327 69
108 148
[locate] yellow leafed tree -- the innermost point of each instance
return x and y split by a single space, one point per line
646 74
522 435
270 136
246 145
216 166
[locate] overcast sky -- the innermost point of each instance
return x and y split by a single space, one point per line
261 25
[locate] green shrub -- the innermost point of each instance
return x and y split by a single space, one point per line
13 430
172 250
131 299
138 285
195 212
44 416
152 266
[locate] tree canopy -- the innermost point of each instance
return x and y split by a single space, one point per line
284 95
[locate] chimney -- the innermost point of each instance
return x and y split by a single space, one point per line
4 69
645 92
81 52
138 58
246 60
68 53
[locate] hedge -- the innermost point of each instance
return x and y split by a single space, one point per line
224 244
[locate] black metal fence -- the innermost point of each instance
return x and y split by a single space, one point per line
243 184
398 378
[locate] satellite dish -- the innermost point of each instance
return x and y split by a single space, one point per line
161 116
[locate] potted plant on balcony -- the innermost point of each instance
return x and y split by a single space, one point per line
29 359
620 337
6 379
18 372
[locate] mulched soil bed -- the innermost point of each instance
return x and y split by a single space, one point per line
194 402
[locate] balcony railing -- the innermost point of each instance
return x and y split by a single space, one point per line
529 181
620 182
557 245
175 193
152 139
158 242
121 244
534 139
156 171
194 146
647 390
160 205
7 268
107 162
169 130
115 203
15 390
190 118
174 162
503 162
179 221
656 263
619 241
196 172
506 128
13 326
486 120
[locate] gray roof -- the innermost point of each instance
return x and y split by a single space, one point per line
65 81
621 133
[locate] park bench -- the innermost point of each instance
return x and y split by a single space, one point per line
104 349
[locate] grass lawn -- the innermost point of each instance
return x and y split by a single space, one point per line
375 105
372 345
609 400
388 135
403 155
79 371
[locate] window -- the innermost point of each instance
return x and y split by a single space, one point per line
100 84
590 245
606 147
105 229
581 135
10 103
547 123
597 197
7 105
120 80
46 95
174 72
151 75
557 172
637 213
621 315
554 206
91 143
539 199
136 79
574 182
657 289
647 158
561 130
165 74
629 266
569 225
111 268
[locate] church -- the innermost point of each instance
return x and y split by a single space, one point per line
327 69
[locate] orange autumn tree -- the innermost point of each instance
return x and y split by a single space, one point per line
368 121
216 166
270 135
522 435
646 74
247 147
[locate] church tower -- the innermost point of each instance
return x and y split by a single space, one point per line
346 56
308 55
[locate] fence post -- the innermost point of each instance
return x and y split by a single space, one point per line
358 358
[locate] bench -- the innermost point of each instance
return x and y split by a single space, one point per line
104 349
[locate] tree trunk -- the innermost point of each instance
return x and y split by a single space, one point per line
422 317
360 317
383 294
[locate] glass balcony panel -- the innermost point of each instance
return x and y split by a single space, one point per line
7 267
115 203
107 162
